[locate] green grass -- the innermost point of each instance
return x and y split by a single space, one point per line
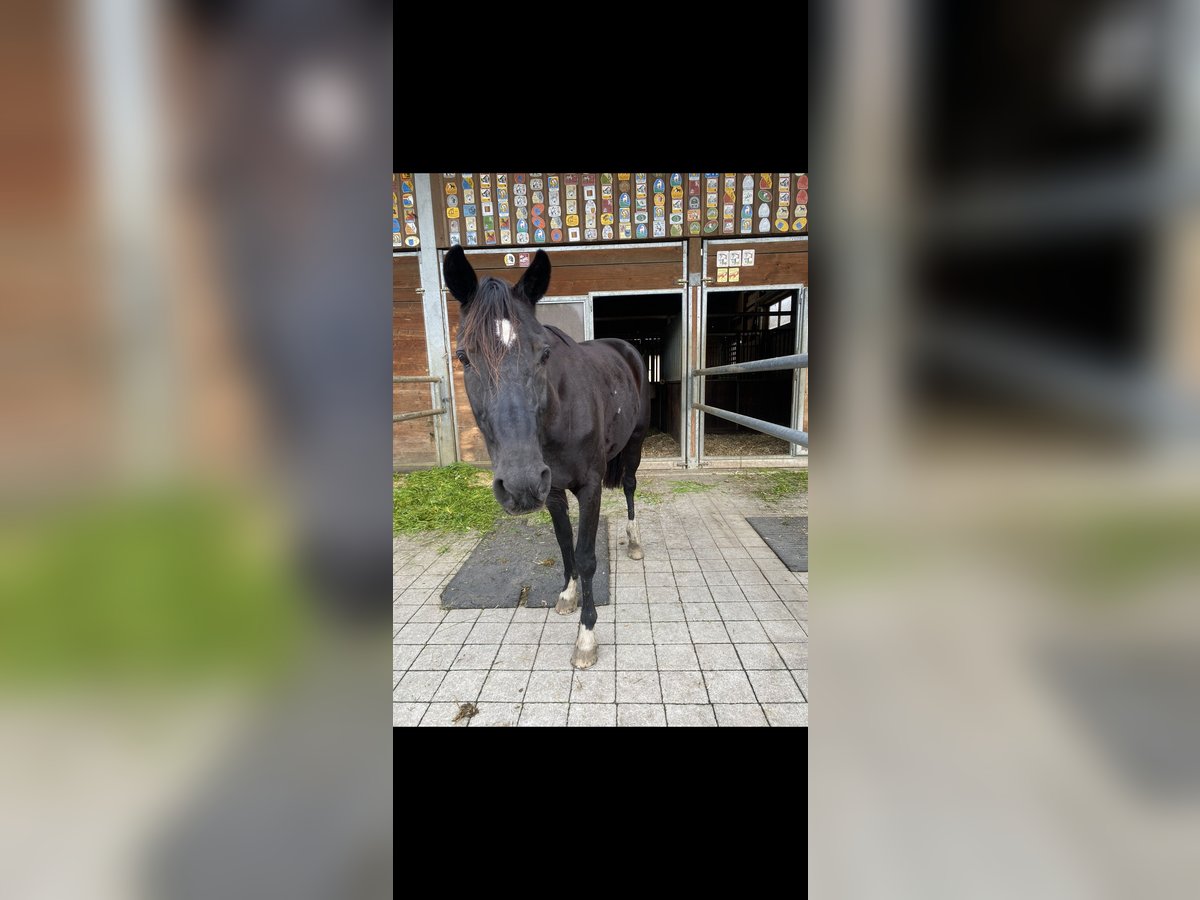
146 588
455 498
1111 556
459 498
690 487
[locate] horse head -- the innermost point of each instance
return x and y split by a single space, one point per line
504 352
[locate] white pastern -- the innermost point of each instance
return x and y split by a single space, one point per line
635 540
568 596
504 331
586 641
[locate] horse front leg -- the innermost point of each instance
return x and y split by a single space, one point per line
586 649
556 503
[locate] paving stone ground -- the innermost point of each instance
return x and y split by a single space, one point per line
710 628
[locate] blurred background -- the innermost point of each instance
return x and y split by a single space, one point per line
1005 476
195 463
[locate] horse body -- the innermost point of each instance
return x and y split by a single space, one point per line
603 398
556 415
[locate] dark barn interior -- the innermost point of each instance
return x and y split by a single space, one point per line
743 326
654 324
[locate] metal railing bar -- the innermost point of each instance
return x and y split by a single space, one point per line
794 361
778 431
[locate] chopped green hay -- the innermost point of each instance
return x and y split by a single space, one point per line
455 498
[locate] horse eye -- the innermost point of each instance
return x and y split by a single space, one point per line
545 354
462 358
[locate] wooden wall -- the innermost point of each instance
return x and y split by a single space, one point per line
776 262
413 441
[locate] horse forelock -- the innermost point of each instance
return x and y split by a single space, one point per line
482 333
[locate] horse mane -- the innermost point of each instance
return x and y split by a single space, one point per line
493 300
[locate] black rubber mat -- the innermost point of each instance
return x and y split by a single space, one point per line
517 555
787 536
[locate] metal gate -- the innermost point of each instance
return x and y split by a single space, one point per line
795 361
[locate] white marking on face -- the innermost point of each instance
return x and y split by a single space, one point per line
504 331
586 640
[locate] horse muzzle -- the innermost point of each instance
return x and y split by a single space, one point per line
521 492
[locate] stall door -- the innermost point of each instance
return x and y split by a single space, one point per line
576 272
754 305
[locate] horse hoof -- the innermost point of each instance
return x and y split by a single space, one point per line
636 553
568 600
565 606
584 659
586 648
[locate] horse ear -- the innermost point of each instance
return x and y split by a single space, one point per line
536 280
460 277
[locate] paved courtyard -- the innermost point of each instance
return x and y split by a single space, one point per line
709 629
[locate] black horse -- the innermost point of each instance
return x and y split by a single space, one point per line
556 415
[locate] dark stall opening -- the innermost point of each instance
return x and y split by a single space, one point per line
743 326
654 324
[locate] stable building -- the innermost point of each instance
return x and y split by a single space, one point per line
699 271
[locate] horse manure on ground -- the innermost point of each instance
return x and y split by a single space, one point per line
524 595
467 711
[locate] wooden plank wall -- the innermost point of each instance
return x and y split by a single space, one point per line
775 262
576 272
413 441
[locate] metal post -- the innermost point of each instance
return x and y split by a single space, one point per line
437 342
122 77
800 381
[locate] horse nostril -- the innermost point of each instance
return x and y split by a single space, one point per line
544 481
498 484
